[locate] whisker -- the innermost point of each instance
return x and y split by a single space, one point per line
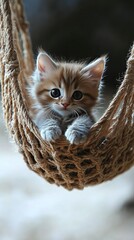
83 110
47 110
77 114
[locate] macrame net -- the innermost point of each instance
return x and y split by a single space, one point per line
109 150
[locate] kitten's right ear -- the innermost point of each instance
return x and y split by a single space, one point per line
45 64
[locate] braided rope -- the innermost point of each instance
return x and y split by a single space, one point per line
109 150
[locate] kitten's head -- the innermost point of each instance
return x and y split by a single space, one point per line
67 88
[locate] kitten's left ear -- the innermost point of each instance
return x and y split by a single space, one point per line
95 69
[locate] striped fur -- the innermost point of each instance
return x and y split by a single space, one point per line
49 112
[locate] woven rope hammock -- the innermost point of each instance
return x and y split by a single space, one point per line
109 150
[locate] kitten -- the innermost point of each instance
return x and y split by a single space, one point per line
63 95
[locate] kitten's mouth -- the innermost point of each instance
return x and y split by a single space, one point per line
62 109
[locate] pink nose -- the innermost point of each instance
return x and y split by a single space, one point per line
65 105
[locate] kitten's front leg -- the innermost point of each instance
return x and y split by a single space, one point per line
48 126
78 131
50 130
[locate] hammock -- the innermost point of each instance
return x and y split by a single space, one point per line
109 150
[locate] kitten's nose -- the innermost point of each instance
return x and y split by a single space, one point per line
65 105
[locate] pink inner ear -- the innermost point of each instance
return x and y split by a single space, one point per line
40 64
45 64
97 71
41 68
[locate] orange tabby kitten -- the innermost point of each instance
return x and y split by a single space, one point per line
63 95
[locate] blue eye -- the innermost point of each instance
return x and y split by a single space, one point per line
55 93
77 95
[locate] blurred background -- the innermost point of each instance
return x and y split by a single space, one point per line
84 29
32 209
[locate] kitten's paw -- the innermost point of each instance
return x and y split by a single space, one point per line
51 134
75 136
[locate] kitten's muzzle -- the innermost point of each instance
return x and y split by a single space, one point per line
65 105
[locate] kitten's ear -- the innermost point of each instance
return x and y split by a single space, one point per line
95 69
45 64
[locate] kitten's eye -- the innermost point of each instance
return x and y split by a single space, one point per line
55 93
77 95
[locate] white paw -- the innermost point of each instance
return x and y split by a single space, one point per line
51 134
75 136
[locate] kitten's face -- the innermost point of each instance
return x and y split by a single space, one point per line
67 88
